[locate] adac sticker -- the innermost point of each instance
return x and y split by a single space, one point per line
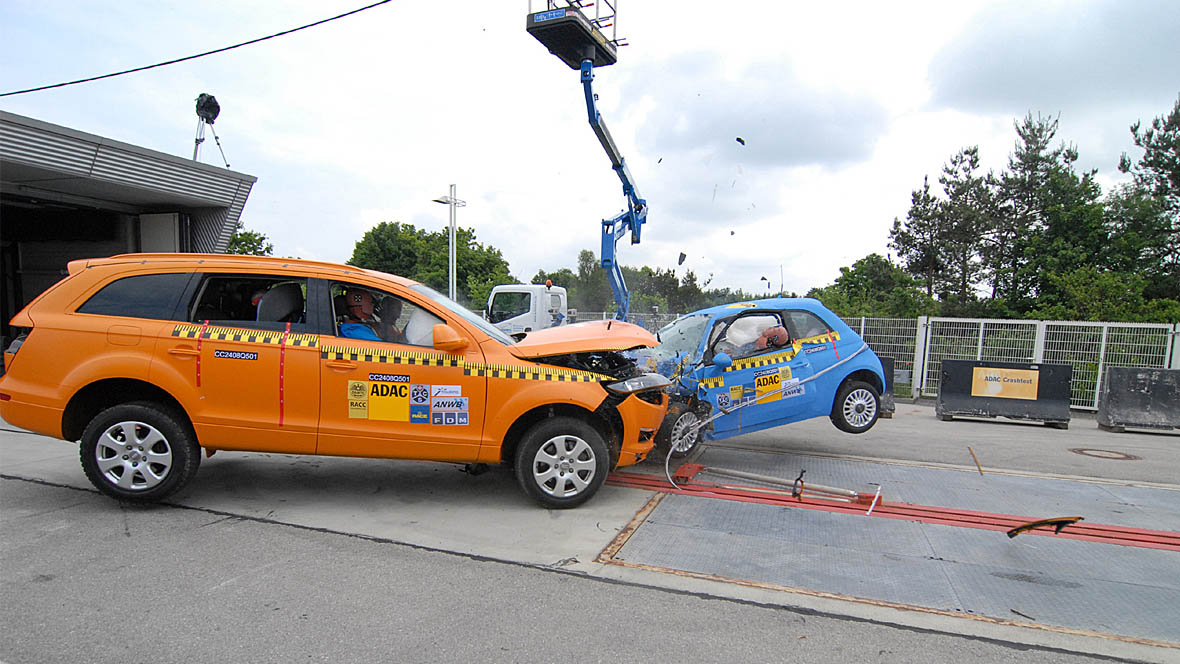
766 385
389 402
742 305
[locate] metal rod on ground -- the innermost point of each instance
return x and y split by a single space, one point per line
818 488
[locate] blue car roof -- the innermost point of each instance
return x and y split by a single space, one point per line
806 303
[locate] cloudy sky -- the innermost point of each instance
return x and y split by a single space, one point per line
843 109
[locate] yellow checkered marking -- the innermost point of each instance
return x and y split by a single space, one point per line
710 383
826 338
784 356
384 356
247 336
763 360
517 372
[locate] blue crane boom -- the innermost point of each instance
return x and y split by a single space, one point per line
578 42
631 219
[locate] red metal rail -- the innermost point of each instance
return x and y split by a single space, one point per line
1083 530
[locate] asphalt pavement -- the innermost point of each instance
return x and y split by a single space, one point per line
280 558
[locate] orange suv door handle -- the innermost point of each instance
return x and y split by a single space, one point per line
184 351
340 365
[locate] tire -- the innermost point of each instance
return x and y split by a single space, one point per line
561 462
856 407
671 433
161 459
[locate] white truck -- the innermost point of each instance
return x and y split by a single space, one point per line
526 307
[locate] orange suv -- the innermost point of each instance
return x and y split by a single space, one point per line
147 358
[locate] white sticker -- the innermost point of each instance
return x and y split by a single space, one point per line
446 390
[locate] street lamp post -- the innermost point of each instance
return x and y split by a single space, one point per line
453 203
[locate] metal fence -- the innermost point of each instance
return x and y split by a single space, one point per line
919 345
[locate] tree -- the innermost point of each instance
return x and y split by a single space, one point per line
1088 293
248 243
1025 201
594 294
421 255
875 286
1146 215
918 241
968 212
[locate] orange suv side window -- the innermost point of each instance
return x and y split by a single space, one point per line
153 296
255 301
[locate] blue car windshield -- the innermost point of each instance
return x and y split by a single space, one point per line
682 336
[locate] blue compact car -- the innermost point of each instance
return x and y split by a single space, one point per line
749 366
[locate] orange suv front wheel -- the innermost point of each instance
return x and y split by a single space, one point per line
561 462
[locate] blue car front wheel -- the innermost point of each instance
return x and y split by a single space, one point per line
856 407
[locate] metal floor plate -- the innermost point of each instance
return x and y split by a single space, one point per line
1093 586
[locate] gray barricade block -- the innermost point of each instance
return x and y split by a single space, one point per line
1005 389
1140 398
888 406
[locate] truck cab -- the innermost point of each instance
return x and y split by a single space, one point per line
520 308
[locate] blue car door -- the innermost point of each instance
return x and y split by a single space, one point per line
756 387
817 341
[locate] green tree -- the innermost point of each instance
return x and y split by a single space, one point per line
1088 293
968 212
421 255
918 241
875 286
248 243
594 293
1026 199
1146 215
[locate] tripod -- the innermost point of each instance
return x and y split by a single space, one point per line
201 122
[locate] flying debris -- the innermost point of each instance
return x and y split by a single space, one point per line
682 257
741 140
659 160
731 232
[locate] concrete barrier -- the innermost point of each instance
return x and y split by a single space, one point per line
1139 398
1005 389
888 406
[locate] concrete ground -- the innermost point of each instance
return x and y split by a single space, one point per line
269 557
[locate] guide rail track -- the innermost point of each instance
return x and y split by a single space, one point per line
1082 530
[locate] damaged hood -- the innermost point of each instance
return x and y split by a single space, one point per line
586 337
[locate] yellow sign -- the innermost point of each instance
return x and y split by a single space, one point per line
358 399
389 401
1004 383
766 382
735 393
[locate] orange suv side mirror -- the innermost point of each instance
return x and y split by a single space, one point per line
448 340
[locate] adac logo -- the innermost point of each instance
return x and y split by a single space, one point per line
357 390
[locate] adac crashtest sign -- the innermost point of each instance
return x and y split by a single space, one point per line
1004 383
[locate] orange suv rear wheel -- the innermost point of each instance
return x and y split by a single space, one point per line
139 452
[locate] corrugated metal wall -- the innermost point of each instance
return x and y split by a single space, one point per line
101 159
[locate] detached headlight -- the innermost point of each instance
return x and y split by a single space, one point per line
642 383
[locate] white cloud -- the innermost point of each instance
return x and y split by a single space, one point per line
367 119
